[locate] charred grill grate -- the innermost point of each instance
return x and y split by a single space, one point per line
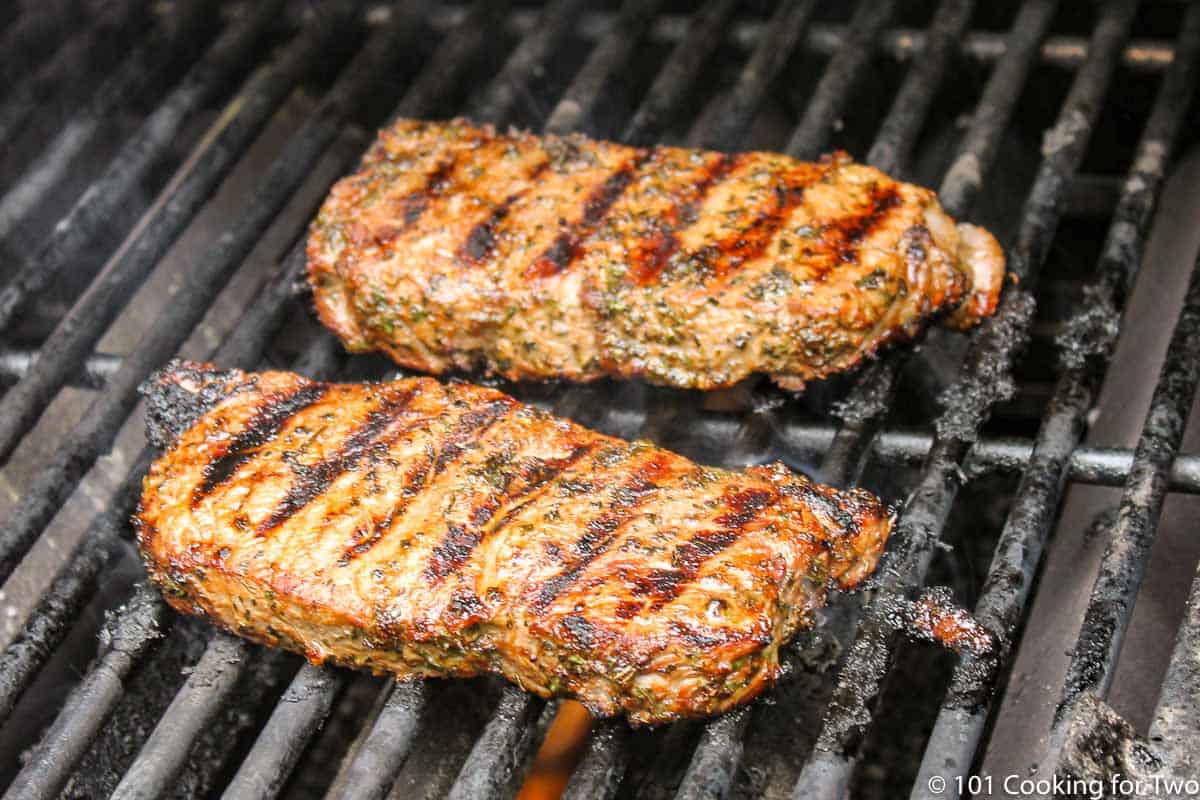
181 111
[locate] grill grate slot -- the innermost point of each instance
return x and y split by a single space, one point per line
770 47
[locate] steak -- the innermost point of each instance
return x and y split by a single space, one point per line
424 529
455 247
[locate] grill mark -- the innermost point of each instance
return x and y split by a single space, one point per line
700 640
480 244
601 532
272 413
749 243
318 477
843 235
481 241
664 585
472 422
627 609
455 548
363 539
650 257
414 204
460 542
586 634
559 256
543 486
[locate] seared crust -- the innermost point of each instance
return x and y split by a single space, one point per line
417 528
457 247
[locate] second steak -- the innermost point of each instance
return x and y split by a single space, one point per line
424 529
458 247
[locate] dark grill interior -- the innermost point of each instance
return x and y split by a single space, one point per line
161 162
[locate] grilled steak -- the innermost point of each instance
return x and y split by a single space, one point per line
457 247
424 529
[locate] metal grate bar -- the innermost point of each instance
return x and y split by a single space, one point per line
32 36
63 77
132 629
58 609
574 109
202 283
706 29
210 701
1101 466
296 729
727 128
105 198
598 774
165 752
837 83
978 152
140 71
870 397
1094 657
1176 725
96 368
717 757
498 100
993 348
506 741
1066 51
65 351
964 713
297 716
368 773
899 131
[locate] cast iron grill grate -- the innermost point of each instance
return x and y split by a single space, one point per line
114 153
